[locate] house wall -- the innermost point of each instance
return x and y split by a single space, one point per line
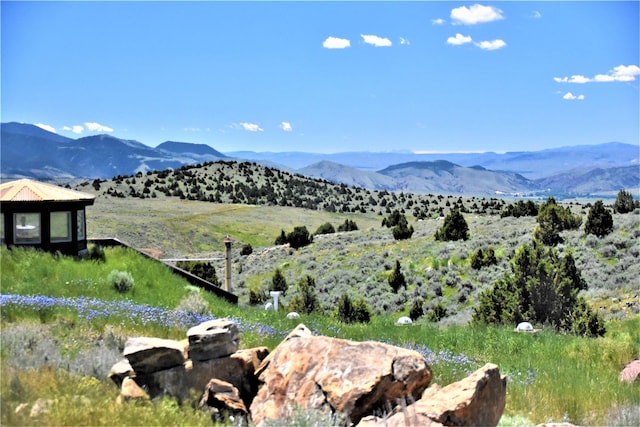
26 237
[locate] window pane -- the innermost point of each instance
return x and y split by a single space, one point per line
27 227
60 226
1 228
81 224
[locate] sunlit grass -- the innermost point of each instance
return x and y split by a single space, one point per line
551 376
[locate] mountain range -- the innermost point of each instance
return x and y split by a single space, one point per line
29 151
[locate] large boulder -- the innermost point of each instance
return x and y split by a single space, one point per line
477 400
147 355
170 382
213 339
238 370
299 331
333 375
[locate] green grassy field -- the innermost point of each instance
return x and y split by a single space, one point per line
82 324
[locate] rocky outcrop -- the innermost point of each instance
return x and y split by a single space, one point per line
147 354
337 376
477 400
207 361
213 339
237 369
345 379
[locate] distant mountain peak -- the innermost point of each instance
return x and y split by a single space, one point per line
435 165
188 147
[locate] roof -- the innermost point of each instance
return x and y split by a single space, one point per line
27 190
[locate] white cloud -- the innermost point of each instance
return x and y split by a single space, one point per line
475 14
404 41
621 73
251 127
571 97
336 43
573 79
286 126
97 127
438 21
46 127
75 129
375 40
536 14
191 129
491 45
459 39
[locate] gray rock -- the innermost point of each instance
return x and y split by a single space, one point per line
147 355
213 339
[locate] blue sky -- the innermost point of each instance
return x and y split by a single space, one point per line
326 76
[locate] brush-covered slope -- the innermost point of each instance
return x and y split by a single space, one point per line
443 176
342 174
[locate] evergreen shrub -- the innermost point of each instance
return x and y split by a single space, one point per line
122 281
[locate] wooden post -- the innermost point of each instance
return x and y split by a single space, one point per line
227 263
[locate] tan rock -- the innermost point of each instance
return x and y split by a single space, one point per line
223 398
332 375
213 339
299 331
477 400
147 355
237 369
129 389
631 372
120 371
41 407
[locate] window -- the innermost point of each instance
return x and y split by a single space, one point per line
60 226
27 228
81 224
1 229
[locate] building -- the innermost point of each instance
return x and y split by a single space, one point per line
45 216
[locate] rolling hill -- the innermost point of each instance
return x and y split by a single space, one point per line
29 151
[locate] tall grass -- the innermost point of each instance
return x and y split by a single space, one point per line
52 347
29 272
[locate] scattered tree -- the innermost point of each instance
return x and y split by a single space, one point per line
521 208
599 220
246 249
402 230
306 301
541 288
393 219
278 282
624 202
203 269
257 296
326 228
299 237
397 280
454 228
348 225
281 239
482 258
553 219
437 313
352 312
417 310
